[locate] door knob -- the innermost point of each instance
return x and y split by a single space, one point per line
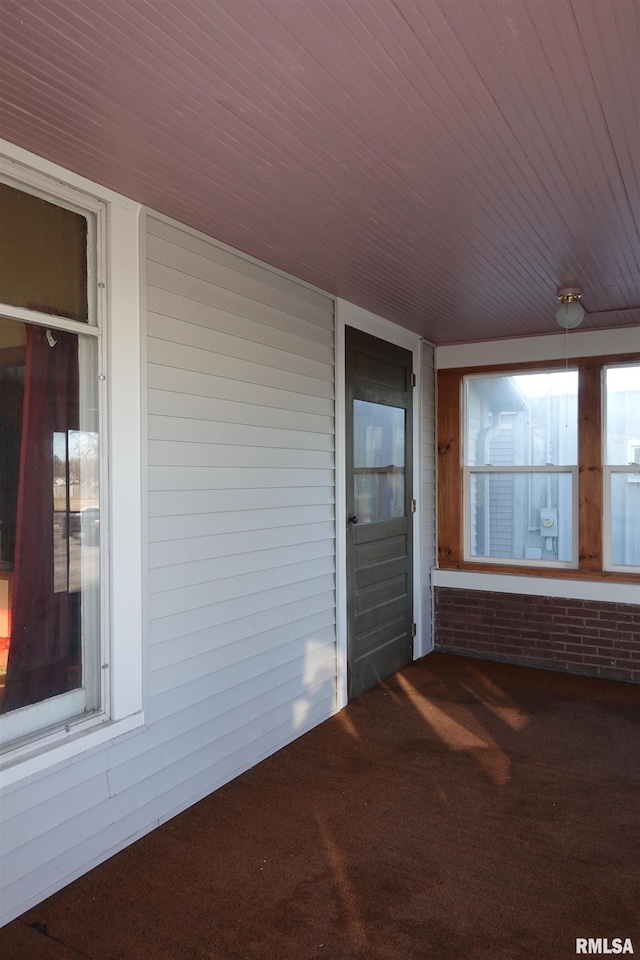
353 519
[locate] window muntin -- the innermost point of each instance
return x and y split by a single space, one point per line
511 422
49 482
622 467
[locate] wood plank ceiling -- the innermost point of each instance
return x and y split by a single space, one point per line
446 164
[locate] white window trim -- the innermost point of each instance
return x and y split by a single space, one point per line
605 591
122 366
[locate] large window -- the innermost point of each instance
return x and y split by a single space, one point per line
539 468
521 467
50 465
71 565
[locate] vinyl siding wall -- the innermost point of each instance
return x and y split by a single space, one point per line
240 583
241 653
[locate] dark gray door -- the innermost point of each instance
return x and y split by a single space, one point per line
379 407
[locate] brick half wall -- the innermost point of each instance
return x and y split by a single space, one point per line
574 636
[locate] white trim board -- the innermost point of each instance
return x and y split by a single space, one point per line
587 343
605 592
349 315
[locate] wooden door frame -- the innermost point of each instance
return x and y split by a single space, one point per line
348 315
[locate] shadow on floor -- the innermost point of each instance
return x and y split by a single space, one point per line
462 810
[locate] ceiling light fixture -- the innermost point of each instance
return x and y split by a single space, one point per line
570 313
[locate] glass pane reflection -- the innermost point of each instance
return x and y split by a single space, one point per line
625 519
378 461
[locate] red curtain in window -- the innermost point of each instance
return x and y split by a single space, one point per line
37 667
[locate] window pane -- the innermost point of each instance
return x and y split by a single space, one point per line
622 385
625 519
43 251
49 515
378 461
523 420
521 516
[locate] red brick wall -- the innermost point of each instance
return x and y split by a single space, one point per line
578 636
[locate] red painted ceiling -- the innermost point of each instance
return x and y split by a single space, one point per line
445 164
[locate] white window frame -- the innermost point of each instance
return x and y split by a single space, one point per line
116 320
527 469
633 476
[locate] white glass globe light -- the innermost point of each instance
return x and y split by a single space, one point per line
570 313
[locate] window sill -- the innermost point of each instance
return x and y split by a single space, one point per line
560 573
30 759
469 577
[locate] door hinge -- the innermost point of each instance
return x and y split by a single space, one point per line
413 379
414 629
414 506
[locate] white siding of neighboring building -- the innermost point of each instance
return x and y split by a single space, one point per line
241 653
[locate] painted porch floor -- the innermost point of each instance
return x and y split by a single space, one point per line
462 810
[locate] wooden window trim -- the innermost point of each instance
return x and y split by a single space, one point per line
590 471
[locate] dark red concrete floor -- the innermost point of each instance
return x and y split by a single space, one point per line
462 810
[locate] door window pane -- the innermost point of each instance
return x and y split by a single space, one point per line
43 251
521 516
378 461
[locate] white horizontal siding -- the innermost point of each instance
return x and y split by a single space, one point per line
163 453
211 524
265 325
241 560
193 359
231 544
163 404
203 385
240 641
162 503
203 274
241 504
227 257
246 584
201 337
172 626
184 430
